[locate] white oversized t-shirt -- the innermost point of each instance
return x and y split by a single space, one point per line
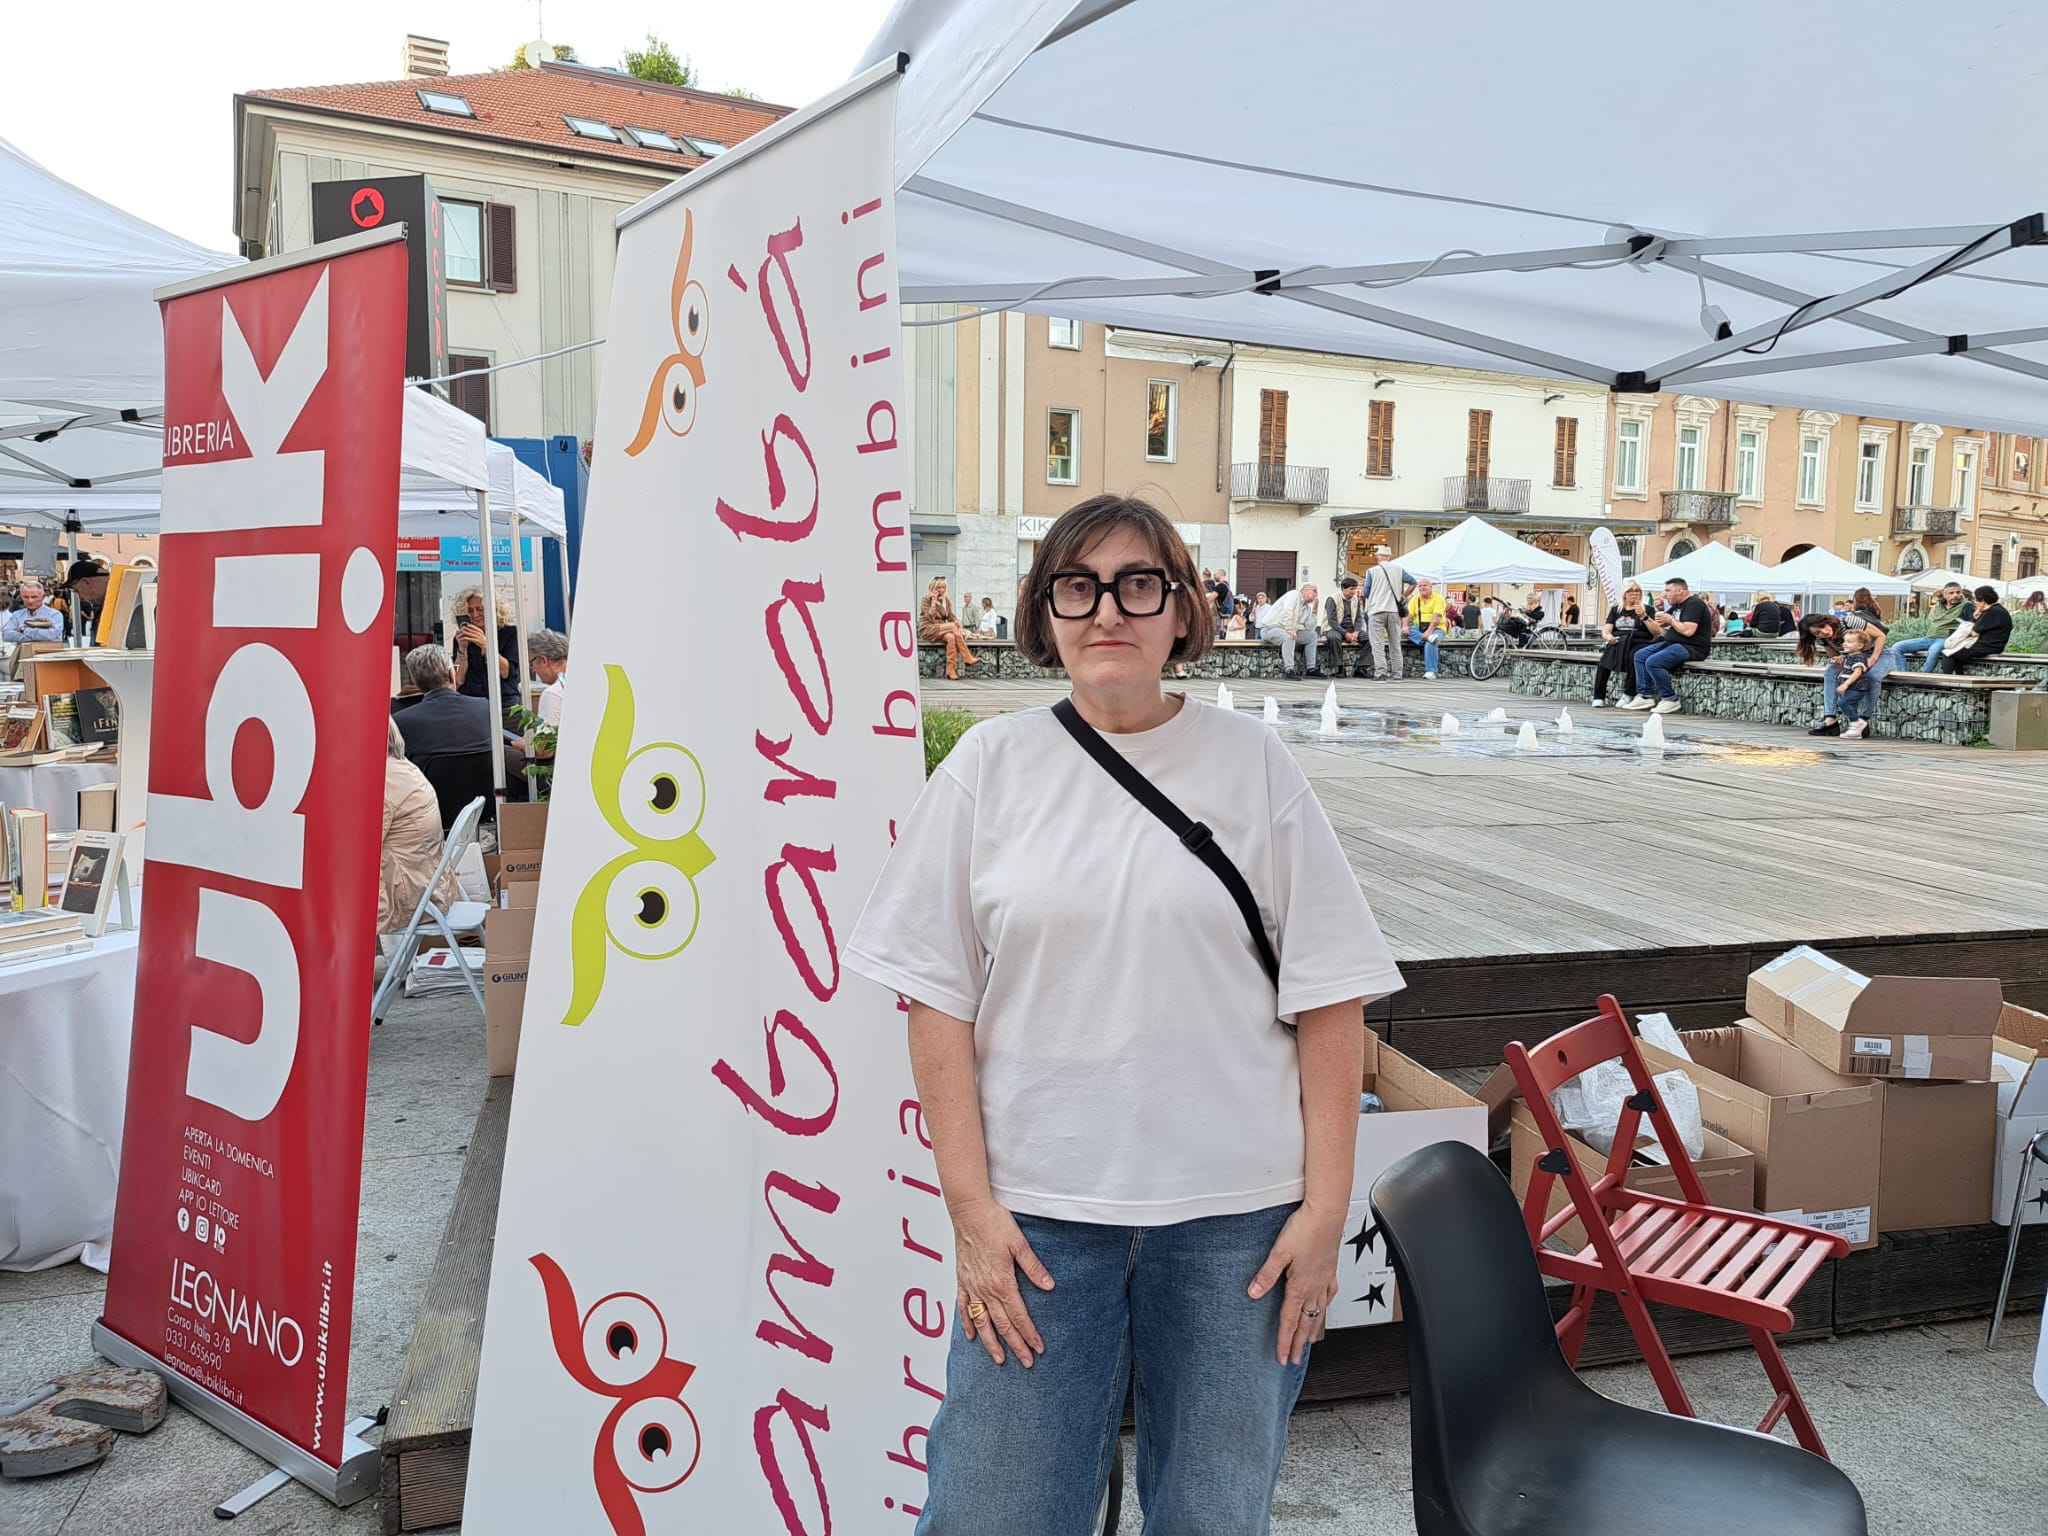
1130 1053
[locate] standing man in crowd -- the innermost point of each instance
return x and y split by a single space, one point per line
36 619
1220 585
1386 594
1290 622
1680 634
1344 624
1426 623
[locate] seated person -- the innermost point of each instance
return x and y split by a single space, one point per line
1771 617
1679 635
1426 611
1234 626
412 840
37 619
445 723
988 617
1991 635
1857 682
1824 636
1948 610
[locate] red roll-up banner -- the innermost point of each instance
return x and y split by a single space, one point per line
235 1228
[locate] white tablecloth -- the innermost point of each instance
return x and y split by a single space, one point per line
53 787
63 1089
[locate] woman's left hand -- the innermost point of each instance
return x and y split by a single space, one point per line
1305 1256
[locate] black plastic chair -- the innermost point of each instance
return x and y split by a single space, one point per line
1508 1441
458 778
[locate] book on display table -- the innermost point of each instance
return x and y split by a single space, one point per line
91 873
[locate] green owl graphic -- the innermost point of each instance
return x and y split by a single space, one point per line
644 903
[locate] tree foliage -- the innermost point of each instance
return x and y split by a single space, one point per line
564 54
658 62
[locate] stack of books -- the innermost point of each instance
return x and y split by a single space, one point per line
440 970
26 936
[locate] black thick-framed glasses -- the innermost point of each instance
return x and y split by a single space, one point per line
1140 594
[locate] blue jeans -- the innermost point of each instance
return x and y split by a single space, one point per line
1654 666
1026 1453
1930 645
1428 642
1830 700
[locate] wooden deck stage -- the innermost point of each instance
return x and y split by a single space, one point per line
1514 888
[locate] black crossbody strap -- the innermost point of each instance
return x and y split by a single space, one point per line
1194 836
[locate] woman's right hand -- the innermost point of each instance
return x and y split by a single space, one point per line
988 1250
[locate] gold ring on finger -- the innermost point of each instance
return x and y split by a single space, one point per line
976 1309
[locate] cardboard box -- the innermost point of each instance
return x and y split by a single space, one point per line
1816 1136
508 946
1770 985
1727 1172
522 832
1940 1147
2022 1114
1421 1109
519 893
1927 1028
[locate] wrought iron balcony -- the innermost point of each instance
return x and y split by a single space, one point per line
1934 522
1485 493
1713 509
1303 485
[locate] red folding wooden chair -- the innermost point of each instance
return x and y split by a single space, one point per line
1648 1248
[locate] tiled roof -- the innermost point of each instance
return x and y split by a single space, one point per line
527 106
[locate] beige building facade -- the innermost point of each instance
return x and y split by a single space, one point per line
1333 455
2011 542
1015 418
1897 497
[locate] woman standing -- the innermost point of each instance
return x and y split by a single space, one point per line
1820 638
1624 627
937 625
1088 1008
471 665
1865 605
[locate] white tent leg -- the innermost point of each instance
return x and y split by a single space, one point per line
483 528
519 607
562 559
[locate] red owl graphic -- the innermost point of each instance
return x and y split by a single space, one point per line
649 1442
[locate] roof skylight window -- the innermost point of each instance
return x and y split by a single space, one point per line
447 103
590 128
705 147
652 138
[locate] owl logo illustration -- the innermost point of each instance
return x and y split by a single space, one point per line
649 1442
643 903
672 394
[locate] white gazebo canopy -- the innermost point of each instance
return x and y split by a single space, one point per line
1212 168
1475 550
1821 572
82 379
1712 568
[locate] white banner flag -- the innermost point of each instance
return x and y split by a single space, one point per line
723 1273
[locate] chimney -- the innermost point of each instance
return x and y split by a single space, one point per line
425 56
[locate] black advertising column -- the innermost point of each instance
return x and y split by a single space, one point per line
350 207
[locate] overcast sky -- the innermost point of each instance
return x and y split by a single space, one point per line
133 99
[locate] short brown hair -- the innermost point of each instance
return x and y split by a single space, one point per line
1071 533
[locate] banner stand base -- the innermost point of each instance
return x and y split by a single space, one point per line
355 1479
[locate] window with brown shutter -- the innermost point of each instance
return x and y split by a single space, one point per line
1379 438
1564 459
1478 444
502 267
472 394
1272 426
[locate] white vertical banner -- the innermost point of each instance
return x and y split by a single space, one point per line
723 1272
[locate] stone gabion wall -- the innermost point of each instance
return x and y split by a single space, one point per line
1953 716
2033 669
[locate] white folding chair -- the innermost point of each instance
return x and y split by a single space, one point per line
461 918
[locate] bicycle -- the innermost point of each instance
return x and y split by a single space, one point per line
1512 633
